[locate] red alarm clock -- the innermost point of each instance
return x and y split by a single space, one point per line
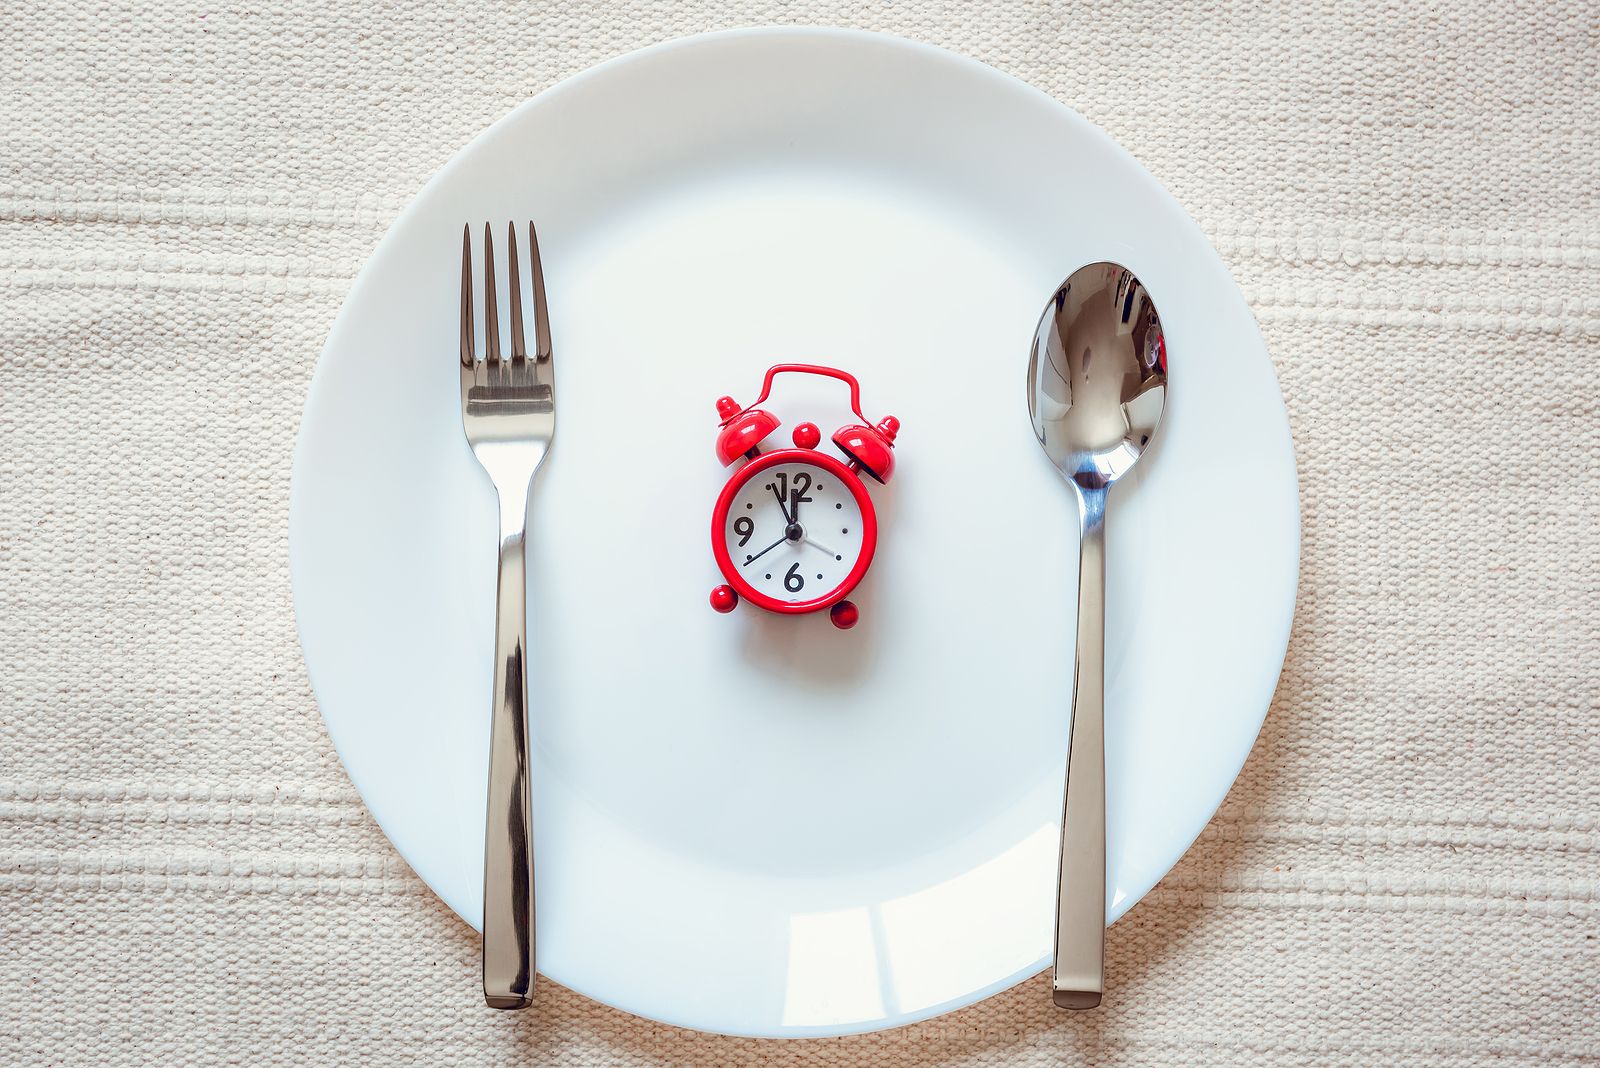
794 530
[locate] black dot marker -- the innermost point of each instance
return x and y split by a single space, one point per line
749 505
838 506
845 530
836 558
819 575
769 575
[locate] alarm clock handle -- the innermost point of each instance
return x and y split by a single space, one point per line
813 369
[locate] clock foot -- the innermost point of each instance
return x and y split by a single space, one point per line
723 599
844 615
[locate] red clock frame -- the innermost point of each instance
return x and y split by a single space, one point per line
719 525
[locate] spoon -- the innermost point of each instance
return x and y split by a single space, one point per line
1097 381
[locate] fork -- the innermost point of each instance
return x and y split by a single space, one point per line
509 415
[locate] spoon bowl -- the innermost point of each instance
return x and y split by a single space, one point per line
1097 384
1098 375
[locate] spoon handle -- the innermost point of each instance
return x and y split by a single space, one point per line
1079 974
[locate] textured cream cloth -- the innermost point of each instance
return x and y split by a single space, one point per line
1406 872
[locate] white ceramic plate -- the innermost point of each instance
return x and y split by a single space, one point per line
757 824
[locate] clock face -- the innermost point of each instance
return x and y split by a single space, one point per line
794 532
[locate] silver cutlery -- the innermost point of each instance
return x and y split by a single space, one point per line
509 416
1097 382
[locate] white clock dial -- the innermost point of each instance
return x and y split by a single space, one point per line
794 531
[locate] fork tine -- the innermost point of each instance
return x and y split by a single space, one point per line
541 314
519 346
466 295
491 312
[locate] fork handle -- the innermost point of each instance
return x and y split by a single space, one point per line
1078 978
508 916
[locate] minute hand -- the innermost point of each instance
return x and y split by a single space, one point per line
788 518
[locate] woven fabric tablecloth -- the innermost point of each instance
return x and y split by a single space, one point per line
1405 873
